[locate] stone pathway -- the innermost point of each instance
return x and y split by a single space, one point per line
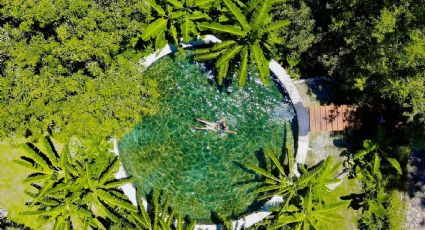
415 214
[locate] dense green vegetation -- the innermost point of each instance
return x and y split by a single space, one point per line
71 68
304 196
73 191
376 50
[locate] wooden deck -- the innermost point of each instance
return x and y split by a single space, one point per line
330 118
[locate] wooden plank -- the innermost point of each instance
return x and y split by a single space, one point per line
340 119
311 115
331 118
335 114
317 118
345 116
351 123
323 118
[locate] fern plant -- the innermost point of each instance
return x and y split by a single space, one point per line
160 217
249 35
174 19
304 196
78 192
311 214
280 178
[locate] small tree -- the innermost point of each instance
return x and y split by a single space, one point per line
174 19
303 196
73 192
249 34
160 217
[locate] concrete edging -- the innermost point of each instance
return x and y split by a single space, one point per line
302 142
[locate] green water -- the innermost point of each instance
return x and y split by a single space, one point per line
202 170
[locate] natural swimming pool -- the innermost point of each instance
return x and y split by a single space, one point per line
203 171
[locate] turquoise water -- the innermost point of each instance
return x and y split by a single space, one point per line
203 171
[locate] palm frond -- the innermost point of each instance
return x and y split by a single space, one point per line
262 172
107 212
201 51
43 191
176 3
119 183
142 223
29 165
243 68
31 153
305 178
160 40
36 178
260 13
238 14
275 25
187 28
198 15
109 171
112 199
42 212
156 7
203 2
208 56
268 188
261 63
223 45
217 27
154 29
228 55
49 151
222 72
274 159
252 5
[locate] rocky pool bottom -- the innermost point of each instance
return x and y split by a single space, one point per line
203 171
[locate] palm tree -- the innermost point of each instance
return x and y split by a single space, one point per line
281 180
303 196
173 19
73 192
160 217
311 213
249 34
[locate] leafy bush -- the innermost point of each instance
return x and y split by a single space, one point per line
71 67
75 189
303 195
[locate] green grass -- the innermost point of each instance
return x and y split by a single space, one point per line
12 196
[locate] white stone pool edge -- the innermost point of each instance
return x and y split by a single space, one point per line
302 142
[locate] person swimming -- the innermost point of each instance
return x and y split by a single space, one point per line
220 126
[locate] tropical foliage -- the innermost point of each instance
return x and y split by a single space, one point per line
73 191
372 166
303 196
160 217
249 35
377 47
70 68
174 19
